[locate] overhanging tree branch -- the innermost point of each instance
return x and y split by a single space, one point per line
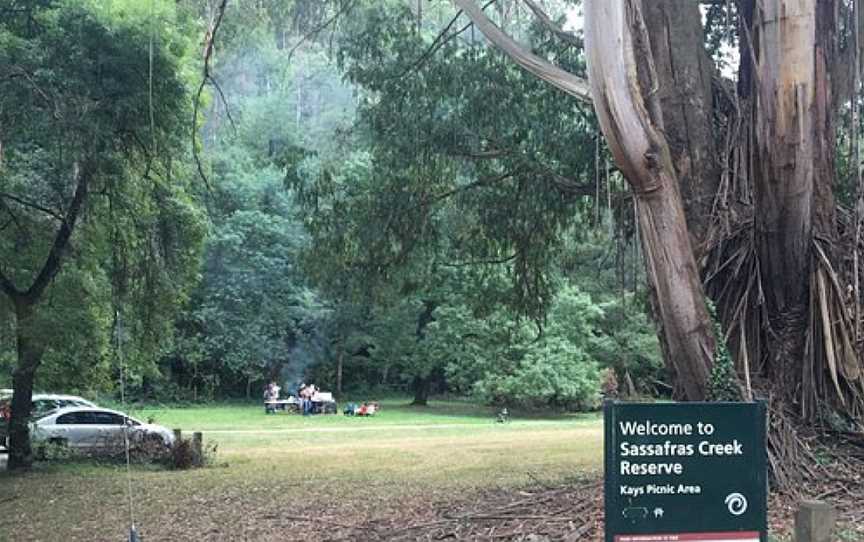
550 24
8 288
209 40
485 181
440 40
61 239
543 69
30 204
344 8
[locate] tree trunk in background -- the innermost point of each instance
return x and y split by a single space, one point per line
747 10
683 86
630 115
421 390
784 133
339 371
29 357
423 385
794 168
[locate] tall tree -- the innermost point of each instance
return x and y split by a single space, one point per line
768 244
88 114
456 179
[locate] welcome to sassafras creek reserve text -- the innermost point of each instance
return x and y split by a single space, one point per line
668 448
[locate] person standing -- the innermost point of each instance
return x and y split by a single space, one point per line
304 399
269 407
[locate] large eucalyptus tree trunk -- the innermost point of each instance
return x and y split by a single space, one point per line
810 354
793 173
684 89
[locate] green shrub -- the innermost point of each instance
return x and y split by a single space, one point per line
554 373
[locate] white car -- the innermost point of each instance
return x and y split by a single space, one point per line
43 404
96 430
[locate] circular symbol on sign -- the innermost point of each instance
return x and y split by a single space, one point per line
736 503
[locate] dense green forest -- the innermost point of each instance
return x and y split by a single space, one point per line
363 204
482 205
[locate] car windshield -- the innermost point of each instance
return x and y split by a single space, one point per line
42 407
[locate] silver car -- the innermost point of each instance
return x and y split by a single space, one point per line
96 430
43 404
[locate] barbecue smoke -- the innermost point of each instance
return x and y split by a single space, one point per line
308 351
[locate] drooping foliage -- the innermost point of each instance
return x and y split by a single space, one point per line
468 160
77 101
98 232
253 315
451 207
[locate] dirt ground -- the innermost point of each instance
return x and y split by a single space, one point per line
572 512
569 512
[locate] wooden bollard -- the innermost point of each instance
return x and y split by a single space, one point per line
198 447
814 522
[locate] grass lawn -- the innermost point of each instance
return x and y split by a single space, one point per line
267 464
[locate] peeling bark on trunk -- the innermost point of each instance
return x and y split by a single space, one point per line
624 95
746 54
784 146
684 72
794 170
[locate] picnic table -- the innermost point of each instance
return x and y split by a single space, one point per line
286 405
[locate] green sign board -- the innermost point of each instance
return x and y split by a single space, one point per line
679 472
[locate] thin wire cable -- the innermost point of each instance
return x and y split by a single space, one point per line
133 534
150 82
122 361
856 157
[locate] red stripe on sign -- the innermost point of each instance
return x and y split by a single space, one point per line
739 536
